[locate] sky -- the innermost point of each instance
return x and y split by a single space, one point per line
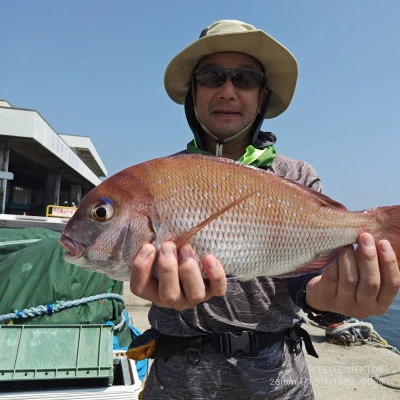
95 68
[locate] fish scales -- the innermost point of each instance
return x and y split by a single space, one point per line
276 227
254 232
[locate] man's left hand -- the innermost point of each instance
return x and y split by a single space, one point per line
363 282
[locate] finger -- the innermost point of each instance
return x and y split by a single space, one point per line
190 276
142 283
348 278
369 273
390 276
322 290
169 289
217 285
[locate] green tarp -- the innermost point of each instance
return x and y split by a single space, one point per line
33 273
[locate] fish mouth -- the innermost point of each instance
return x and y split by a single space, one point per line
75 254
74 249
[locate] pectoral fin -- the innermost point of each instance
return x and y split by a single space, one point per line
191 232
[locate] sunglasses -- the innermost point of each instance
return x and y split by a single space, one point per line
241 78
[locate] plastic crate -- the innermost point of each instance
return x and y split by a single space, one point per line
33 356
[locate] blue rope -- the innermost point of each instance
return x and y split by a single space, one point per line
57 306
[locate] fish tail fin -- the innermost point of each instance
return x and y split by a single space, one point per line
391 217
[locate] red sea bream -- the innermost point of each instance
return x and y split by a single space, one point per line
254 222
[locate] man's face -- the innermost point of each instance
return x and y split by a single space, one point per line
226 109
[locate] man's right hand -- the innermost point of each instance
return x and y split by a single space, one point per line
180 284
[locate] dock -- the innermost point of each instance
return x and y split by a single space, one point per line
29 221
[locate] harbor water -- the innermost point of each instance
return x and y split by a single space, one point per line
388 325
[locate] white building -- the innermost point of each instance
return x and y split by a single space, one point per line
39 167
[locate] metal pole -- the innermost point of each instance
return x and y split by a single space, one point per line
4 162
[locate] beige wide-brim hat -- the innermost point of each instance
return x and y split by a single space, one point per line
230 35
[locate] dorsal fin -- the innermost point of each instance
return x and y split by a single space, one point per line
191 232
328 202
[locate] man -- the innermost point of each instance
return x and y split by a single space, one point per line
240 340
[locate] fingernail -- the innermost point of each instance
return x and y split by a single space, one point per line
211 263
386 247
368 241
145 252
167 249
185 253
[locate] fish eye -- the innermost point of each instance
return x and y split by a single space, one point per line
102 212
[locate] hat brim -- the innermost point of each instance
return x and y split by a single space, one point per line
279 64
